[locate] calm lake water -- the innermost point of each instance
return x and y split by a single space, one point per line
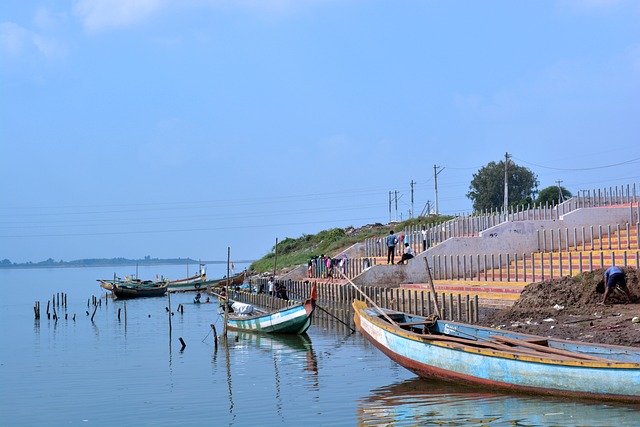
110 372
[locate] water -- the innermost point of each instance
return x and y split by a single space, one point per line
108 372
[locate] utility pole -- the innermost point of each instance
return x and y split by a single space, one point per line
389 206
435 180
396 205
506 183
410 215
560 195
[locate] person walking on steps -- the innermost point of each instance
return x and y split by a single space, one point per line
614 276
392 241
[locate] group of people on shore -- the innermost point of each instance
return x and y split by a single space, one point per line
275 288
324 267
391 242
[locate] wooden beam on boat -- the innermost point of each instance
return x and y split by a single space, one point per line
418 323
543 352
542 348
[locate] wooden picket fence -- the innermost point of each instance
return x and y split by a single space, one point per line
334 301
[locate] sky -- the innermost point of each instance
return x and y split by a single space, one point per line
194 128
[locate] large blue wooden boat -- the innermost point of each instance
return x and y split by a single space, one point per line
501 359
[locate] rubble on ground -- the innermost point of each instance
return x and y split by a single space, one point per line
569 308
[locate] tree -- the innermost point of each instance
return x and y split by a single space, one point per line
487 187
551 195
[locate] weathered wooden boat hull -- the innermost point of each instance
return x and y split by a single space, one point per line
431 356
129 292
290 320
107 284
197 283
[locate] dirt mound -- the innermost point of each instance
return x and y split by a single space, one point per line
568 308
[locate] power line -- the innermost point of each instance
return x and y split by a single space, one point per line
579 169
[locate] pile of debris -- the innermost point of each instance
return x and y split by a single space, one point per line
569 308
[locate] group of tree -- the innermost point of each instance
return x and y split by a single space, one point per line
487 188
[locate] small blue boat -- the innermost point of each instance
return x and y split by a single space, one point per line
289 320
500 359
294 319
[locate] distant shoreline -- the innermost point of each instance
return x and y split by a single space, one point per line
111 263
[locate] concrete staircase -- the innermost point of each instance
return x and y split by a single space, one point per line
501 287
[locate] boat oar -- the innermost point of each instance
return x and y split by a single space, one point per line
330 314
369 300
433 288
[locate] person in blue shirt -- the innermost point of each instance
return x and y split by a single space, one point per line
614 276
391 241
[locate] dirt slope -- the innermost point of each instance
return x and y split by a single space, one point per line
568 308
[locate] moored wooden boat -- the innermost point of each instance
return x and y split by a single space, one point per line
196 282
294 319
501 359
108 284
139 290
232 281
200 283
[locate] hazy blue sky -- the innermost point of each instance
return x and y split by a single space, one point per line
179 128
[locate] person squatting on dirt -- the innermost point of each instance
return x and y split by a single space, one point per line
614 276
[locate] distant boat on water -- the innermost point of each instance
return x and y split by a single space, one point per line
128 288
232 281
128 291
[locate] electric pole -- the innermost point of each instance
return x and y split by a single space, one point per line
396 192
560 195
506 183
411 214
435 180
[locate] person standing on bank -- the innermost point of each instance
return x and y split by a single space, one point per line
392 241
270 287
425 237
614 276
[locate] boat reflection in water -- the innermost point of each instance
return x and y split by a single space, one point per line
288 353
287 349
428 402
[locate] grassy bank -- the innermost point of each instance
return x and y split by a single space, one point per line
292 252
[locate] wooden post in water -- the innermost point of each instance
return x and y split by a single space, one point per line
226 294
215 335
169 304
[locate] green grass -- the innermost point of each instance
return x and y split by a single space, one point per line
292 252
